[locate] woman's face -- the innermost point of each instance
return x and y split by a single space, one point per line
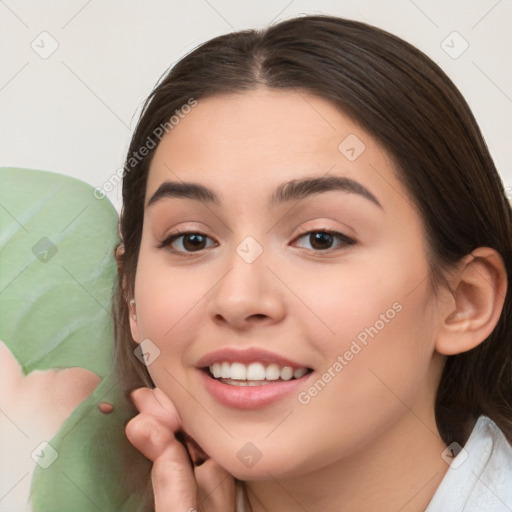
263 282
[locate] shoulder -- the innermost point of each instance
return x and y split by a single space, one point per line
480 476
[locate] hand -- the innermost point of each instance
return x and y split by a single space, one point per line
178 484
34 405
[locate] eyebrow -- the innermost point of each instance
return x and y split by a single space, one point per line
291 190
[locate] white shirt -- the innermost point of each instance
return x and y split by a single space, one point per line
479 478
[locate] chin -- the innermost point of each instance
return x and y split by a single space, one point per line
246 462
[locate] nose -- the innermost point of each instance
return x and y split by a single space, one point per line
247 295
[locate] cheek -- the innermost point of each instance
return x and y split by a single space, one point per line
376 333
350 304
171 312
379 297
375 369
168 300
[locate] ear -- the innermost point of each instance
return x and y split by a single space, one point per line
119 254
480 287
134 326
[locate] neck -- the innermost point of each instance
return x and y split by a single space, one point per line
399 470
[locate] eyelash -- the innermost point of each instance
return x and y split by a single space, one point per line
172 237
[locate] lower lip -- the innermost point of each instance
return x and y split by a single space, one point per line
251 397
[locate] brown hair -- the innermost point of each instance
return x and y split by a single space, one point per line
409 104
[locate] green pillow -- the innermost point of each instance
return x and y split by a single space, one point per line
57 276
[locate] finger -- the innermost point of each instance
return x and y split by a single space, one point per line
216 487
156 403
172 477
148 435
173 480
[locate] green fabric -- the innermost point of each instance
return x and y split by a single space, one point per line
57 274
93 452
57 271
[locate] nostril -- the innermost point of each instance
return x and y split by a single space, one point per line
258 315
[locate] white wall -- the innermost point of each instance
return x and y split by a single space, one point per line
73 112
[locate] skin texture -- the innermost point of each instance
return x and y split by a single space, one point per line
34 407
49 395
358 442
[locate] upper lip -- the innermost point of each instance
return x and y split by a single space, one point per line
246 356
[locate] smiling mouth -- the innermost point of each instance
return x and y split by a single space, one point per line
253 374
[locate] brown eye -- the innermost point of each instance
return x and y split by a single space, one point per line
322 240
187 242
194 242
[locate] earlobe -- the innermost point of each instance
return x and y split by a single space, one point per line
134 327
480 289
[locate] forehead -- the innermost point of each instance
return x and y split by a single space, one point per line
251 142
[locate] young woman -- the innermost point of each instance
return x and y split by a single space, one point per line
315 253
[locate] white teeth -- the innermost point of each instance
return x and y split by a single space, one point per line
215 368
238 371
299 372
272 372
225 371
242 383
286 373
255 372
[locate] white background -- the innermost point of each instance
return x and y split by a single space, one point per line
74 111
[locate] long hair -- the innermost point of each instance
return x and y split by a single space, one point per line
412 108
